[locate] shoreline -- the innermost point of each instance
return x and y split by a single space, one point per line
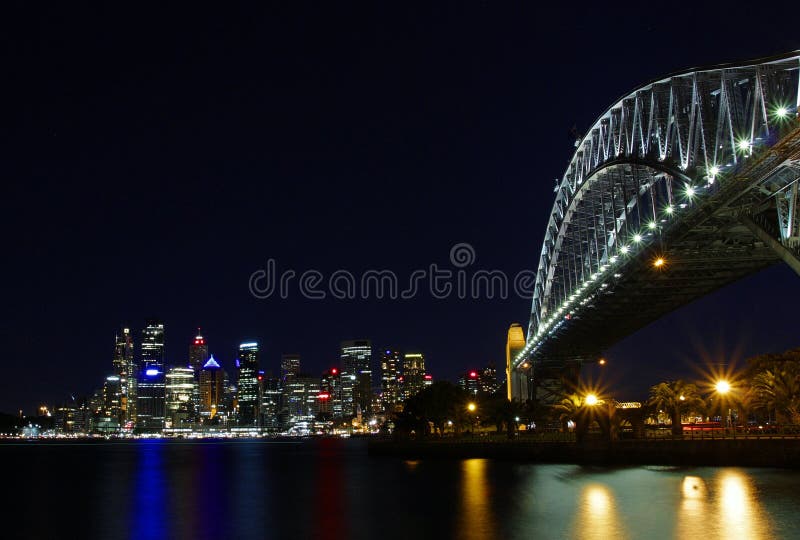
771 453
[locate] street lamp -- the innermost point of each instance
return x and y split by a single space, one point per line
471 407
723 387
591 400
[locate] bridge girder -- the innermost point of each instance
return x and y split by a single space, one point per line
681 169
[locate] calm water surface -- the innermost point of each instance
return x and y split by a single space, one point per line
332 489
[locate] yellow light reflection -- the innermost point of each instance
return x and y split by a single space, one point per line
694 487
741 515
477 518
597 517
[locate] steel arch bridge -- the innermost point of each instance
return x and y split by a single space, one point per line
684 185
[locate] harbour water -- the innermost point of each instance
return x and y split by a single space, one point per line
333 489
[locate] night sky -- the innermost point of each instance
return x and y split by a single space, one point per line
154 159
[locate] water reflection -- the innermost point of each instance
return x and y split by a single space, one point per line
148 515
597 515
740 512
477 517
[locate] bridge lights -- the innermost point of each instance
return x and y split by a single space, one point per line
652 225
690 192
744 145
781 112
669 209
637 238
623 249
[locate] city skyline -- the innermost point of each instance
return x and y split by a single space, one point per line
173 177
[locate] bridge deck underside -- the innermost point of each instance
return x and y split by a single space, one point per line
695 266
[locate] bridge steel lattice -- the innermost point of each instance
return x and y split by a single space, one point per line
684 185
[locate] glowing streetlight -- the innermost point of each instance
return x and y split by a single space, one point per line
744 145
591 399
602 361
659 262
781 112
471 407
723 387
637 238
652 225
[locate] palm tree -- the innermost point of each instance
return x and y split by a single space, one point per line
778 390
567 409
675 397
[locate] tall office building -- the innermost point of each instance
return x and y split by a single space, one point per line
125 368
247 384
198 352
356 357
331 393
212 389
179 402
269 409
113 399
413 374
198 356
290 365
302 396
391 363
151 388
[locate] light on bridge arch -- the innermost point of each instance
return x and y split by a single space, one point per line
659 262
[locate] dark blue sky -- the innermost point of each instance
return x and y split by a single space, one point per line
155 159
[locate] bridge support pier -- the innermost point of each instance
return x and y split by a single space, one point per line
787 255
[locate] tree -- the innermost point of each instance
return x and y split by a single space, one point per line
437 404
778 390
567 409
675 397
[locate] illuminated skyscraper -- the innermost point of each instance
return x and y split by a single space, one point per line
212 388
198 356
391 363
125 368
198 352
180 407
247 384
269 409
151 389
331 393
290 365
413 374
113 399
356 357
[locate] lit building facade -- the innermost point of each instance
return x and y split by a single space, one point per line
198 356
270 403
413 374
179 401
391 362
151 387
356 378
125 368
331 392
212 389
247 384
